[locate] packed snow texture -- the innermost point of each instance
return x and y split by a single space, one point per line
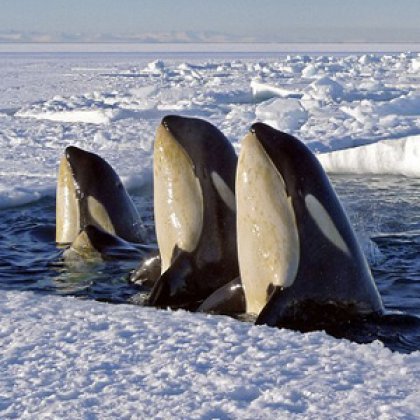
112 104
67 358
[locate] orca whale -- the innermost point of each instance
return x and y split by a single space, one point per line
300 262
89 192
194 206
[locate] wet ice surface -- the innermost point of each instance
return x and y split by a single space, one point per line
71 357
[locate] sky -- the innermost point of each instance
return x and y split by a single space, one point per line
211 20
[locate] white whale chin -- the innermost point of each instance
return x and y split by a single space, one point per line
178 198
67 209
268 240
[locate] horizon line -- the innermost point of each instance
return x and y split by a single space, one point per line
176 48
211 42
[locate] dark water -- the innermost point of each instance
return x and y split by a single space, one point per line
385 212
30 260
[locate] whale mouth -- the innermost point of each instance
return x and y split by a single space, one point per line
178 198
268 239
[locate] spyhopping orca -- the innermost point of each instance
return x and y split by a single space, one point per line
194 205
300 262
93 209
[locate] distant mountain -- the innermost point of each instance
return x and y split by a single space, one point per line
283 35
146 37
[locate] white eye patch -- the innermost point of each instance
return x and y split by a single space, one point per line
224 191
100 215
324 223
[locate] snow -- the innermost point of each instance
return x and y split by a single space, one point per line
324 89
331 110
282 114
262 91
112 105
90 117
62 357
394 157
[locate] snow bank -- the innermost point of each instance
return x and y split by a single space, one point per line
396 110
415 65
283 114
88 117
157 66
310 71
324 89
68 358
394 157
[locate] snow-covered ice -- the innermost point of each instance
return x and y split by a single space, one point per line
67 358
62 357
112 105
396 157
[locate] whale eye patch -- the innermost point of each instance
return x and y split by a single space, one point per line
224 191
324 222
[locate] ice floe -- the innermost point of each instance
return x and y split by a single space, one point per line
63 357
394 157
330 102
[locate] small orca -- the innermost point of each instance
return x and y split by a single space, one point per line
300 262
194 204
89 192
